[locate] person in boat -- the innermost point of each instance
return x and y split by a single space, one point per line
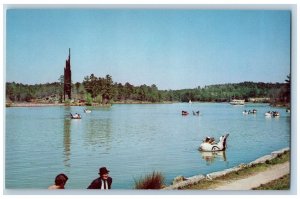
184 113
103 182
60 182
210 140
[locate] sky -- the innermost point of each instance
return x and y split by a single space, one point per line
173 49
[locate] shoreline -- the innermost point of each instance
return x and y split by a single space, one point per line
31 104
190 181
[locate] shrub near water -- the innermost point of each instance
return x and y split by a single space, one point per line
150 181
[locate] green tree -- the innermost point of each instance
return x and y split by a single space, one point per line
88 99
288 88
61 87
128 90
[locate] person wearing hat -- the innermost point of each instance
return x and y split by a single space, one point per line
103 182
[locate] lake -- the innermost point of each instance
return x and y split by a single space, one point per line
133 140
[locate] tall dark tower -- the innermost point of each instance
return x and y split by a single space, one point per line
67 77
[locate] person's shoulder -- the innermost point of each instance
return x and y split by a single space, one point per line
54 187
96 180
94 184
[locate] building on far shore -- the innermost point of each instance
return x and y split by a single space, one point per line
259 99
67 78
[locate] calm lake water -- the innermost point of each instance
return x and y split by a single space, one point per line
133 140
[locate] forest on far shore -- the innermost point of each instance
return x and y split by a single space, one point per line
104 90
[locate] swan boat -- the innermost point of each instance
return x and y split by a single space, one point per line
220 146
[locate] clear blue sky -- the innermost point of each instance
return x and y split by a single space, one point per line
173 49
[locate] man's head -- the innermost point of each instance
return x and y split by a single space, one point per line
103 172
61 180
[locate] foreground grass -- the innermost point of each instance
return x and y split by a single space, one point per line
150 181
246 172
282 183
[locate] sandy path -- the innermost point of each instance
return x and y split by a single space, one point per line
256 180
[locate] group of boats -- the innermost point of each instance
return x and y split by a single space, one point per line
185 113
267 114
250 111
77 115
245 112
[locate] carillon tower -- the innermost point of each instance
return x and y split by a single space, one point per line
67 78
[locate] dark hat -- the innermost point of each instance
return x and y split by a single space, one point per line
103 170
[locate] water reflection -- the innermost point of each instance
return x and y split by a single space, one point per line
98 133
67 138
210 157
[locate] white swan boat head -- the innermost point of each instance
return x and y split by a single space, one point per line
220 146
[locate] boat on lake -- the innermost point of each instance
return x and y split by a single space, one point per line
250 111
276 114
184 113
209 144
245 112
237 102
268 114
197 113
75 116
272 114
87 111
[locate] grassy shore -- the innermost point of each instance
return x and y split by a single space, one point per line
244 173
282 183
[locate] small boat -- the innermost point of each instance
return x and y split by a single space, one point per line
272 114
197 113
245 112
268 114
210 145
252 112
237 102
184 113
275 114
190 101
75 116
87 111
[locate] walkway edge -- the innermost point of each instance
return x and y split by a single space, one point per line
196 179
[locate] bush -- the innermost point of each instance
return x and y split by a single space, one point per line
67 102
88 99
151 181
98 99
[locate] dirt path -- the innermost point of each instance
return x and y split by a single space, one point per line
256 180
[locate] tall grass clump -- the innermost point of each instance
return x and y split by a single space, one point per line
150 181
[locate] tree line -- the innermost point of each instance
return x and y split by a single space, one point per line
105 90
